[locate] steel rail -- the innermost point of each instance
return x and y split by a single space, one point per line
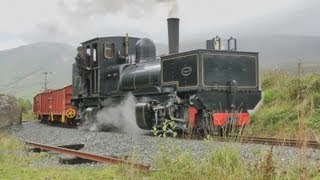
89 156
279 141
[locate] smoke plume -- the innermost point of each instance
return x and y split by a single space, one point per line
116 116
133 8
173 7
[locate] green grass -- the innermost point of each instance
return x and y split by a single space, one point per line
14 165
284 95
29 116
224 163
171 163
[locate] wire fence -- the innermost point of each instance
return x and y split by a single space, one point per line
299 68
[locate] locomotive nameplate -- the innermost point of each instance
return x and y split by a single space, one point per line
186 71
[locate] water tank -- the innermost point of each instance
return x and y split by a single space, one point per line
145 50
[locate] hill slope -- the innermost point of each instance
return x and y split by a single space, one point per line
22 68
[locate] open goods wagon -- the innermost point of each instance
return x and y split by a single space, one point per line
55 106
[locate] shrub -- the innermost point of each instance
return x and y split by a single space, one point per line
270 96
316 100
314 120
26 109
25 105
296 88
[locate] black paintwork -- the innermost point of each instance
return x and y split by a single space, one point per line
173 35
207 79
213 69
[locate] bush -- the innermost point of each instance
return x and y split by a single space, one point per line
314 120
296 88
25 104
26 108
270 96
313 83
316 100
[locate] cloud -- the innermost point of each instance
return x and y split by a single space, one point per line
86 9
133 8
79 20
49 31
73 21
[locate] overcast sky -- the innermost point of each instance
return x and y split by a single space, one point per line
73 21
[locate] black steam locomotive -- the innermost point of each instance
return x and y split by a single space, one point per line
195 89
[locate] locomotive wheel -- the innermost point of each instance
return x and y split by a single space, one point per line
70 113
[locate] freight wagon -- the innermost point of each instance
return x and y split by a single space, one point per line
55 106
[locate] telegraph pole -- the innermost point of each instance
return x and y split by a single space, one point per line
45 79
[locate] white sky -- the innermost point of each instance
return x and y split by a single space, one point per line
29 21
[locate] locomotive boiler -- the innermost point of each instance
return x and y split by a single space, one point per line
197 89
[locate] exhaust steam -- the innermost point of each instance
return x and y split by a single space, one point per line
173 8
116 117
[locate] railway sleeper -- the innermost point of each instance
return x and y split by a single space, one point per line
66 159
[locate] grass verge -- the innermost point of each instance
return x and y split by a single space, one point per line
15 164
171 163
284 95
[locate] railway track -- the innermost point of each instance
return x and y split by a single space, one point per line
274 141
266 140
89 156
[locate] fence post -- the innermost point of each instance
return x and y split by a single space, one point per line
299 68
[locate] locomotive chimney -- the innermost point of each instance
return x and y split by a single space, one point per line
173 35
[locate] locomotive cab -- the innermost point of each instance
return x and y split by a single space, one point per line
107 55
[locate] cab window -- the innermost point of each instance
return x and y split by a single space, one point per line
109 50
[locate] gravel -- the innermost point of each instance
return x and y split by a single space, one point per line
146 147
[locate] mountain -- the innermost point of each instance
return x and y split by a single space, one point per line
284 49
21 68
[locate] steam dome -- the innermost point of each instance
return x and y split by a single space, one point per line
145 50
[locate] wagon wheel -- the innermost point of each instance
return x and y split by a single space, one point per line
70 113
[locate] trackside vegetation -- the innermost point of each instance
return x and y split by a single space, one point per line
15 163
171 163
284 97
26 109
291 108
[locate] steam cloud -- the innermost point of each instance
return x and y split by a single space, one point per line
134 8
89 16
173 7
119 116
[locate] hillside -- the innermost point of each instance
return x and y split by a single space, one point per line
21 68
